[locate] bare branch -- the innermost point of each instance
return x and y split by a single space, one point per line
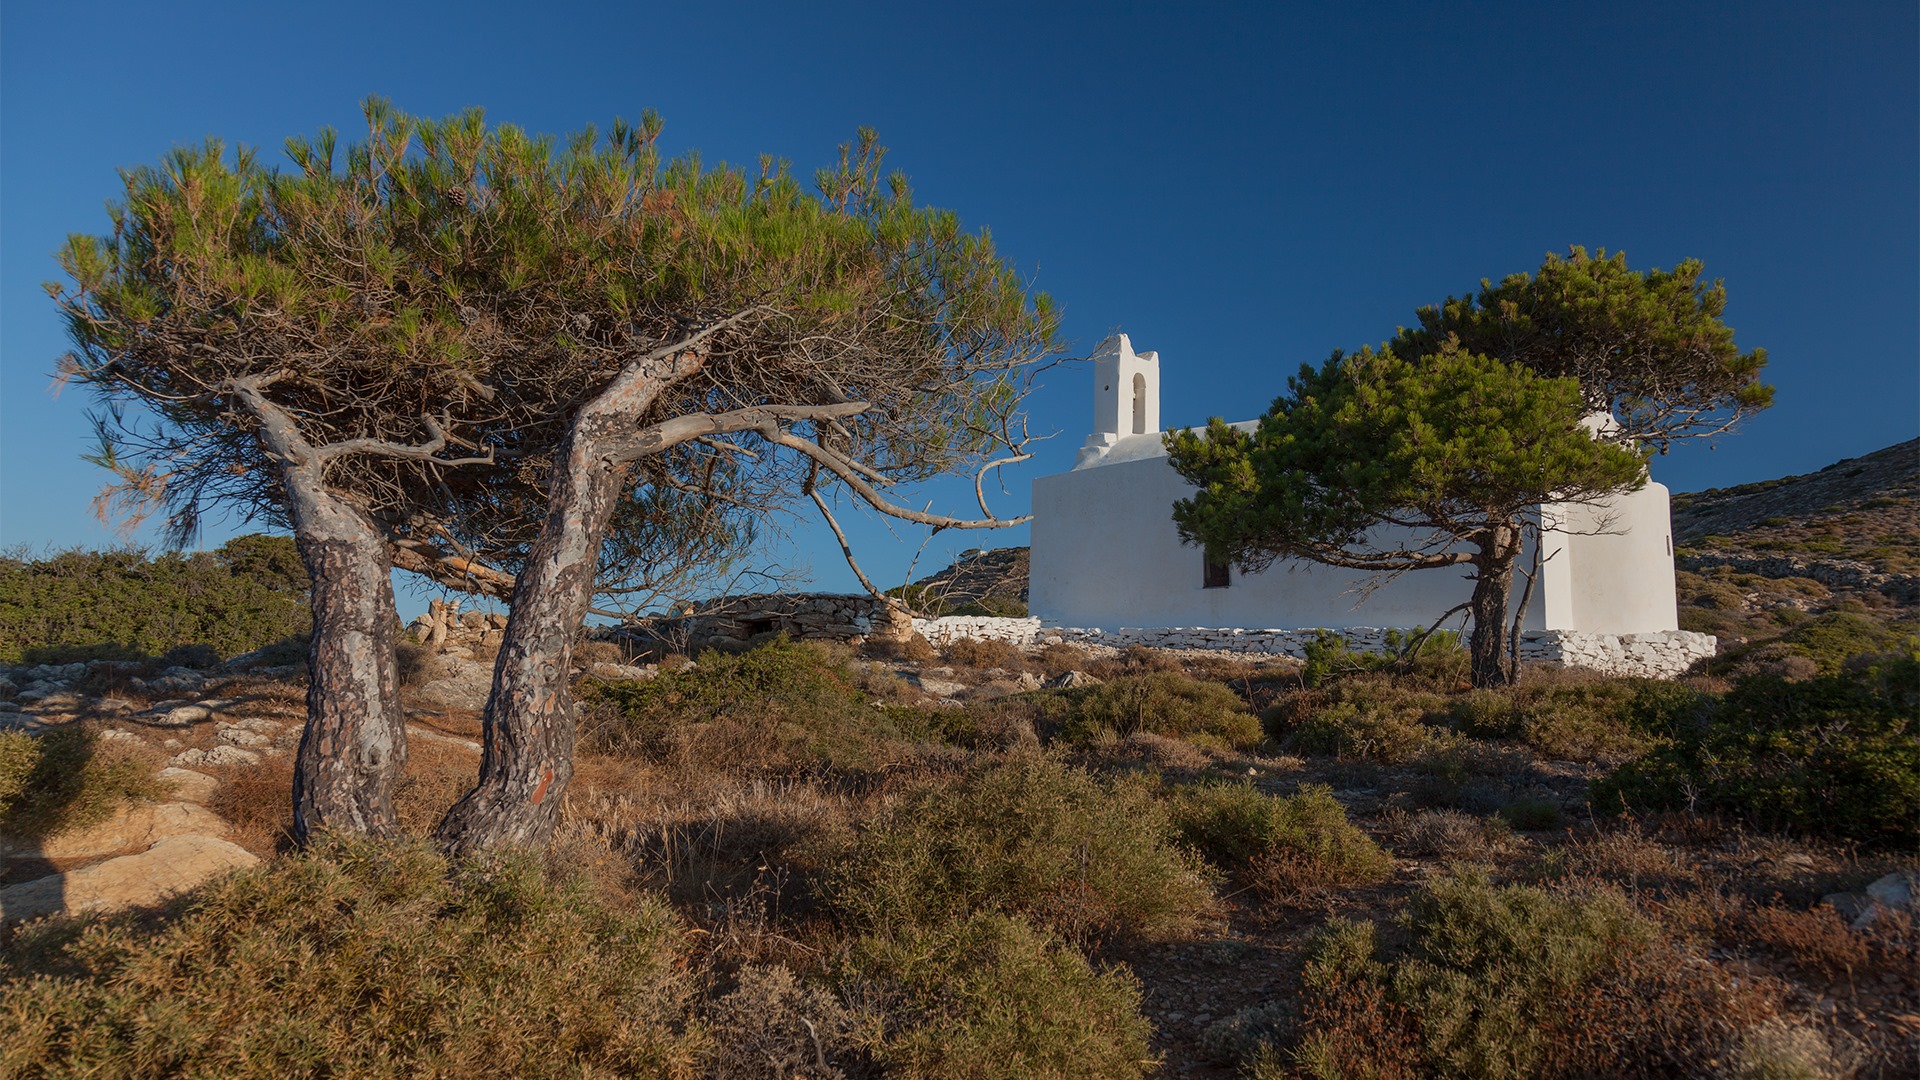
436 442
680 429
840 467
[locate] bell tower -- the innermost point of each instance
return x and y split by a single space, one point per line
1126 394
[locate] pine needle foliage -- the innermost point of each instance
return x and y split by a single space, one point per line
454 277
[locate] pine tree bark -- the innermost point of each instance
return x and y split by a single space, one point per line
527 757
1493 582
355 743
527 760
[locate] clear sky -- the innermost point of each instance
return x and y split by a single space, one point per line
1241 187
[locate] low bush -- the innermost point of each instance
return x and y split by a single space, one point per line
773 1024
1572 718
67 778
1161 703
1030 836
357 959
985 653
1280 847
1839 636
1532 815
987 996
993 607
1440 657
1515 981
914 649
125 604
1835 755
1372 719
783 704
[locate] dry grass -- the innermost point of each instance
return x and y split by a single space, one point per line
69 778
982 655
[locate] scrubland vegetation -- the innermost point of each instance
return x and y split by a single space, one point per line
794 861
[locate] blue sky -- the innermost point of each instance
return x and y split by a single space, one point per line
1241 187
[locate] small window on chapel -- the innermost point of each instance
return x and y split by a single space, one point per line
1217 574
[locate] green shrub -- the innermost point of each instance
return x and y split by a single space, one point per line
356 959
1580 719
1493 968
66 778
783 703
1368 719
1279 846
1532 815
1836 755
1328 657
1161 703
993 607
1030 836
1511 981
922 600
988 996
1838 636
124 604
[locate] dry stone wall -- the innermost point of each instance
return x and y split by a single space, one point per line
1657 655
735 619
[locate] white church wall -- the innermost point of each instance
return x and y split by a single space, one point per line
1610 569
1106 555
1108 565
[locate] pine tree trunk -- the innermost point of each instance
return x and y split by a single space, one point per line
1493 583
355 741
529 728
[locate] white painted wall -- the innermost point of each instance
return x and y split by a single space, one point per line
1610 567
1106 554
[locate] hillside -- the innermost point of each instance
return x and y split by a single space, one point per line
1772 566
999 574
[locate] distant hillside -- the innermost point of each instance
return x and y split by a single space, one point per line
1854 524
1000 574
1870 486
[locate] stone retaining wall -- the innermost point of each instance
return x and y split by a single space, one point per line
735 619
1656 655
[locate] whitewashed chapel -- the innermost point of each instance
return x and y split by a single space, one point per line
1106 558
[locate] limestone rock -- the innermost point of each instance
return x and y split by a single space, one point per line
1894 892
219 755
20 721
464 685
189 786
622 672
1070 680
938 687
172 865
132 828
173 714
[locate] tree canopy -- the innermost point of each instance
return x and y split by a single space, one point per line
1649 348
1433 452
518 362
1381 463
